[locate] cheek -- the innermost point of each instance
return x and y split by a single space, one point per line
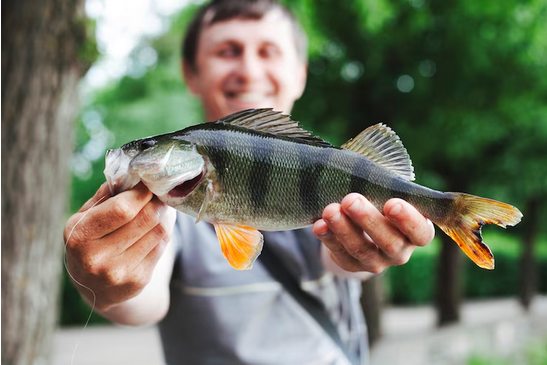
288 81
211 77
217 71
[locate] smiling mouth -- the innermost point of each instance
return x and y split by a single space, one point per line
184 189
247 97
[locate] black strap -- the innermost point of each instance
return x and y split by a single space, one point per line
315 308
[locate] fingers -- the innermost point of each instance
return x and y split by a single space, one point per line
350 247
115 212
418 229
361 238
149 248
147 219
336 248
117 244
130 271
393 246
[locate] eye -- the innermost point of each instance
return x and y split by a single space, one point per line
229 50
147 143
269 51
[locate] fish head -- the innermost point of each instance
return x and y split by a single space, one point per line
162 164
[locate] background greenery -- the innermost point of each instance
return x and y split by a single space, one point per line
463 82
414 282
534 353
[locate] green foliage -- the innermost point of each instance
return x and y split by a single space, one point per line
535 353
151 99
88 53
462 82
455 95
414 282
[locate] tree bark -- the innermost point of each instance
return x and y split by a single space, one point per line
40 73
527 286
448 296
372 301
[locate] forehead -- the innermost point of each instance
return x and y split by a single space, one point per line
273 27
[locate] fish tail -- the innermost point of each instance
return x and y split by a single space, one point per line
470 214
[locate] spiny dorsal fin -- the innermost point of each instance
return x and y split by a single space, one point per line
382 145
270 121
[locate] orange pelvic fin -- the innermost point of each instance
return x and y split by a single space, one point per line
473 212
240 245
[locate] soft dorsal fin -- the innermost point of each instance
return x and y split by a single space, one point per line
270 121
382 145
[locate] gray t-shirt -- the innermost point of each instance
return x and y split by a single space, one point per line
219 315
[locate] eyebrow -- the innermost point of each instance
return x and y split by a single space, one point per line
235 42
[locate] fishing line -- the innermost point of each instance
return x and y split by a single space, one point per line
77 282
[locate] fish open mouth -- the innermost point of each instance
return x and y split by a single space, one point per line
182 190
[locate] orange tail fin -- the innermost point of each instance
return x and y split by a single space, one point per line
473 212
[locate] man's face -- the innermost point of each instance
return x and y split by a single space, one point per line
242 64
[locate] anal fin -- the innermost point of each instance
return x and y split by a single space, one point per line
240 245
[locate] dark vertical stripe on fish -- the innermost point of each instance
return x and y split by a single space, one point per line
218 156
310 175
360 176
260 171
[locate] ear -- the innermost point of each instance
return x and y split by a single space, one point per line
302 74
190 76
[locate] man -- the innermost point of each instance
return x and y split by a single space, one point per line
144 268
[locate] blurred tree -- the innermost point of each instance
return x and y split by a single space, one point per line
522 160
44 54
459 81
528 268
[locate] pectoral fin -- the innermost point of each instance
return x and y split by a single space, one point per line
240 245
209 197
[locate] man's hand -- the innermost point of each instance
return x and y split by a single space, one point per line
360 238
117 243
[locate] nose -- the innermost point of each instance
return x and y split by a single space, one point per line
251 67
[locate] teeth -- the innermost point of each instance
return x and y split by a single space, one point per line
249 97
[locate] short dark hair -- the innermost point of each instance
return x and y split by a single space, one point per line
222 10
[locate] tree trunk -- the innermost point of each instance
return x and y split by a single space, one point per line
448 282
372 301
527 264
40 71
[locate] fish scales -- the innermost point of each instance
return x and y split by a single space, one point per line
258 169
288 184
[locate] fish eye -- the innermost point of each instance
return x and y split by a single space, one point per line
147 143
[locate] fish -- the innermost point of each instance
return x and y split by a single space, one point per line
259 170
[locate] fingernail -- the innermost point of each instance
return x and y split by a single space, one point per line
355 206
335 218
394 212
324 234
